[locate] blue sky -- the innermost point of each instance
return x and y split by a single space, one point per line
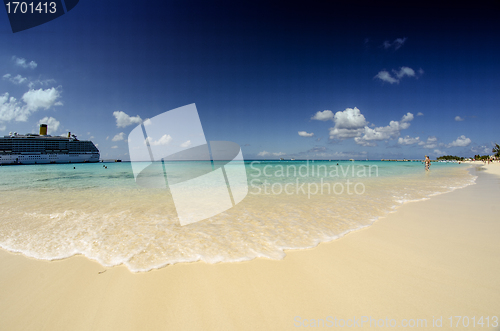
356 81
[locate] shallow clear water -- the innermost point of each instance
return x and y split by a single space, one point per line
55 211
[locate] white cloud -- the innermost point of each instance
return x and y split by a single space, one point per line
385 76
438 152
41 98
380 133
349 123
461 141
23 63
31 84
305 134
119 137
44 82
12 109
323 115
459 119
431 142
365 143
397 44
123 120
407 118
397 75
264 153
404 71
390 131
164 140
52 123
186 144
420 114
2 127
408 140
336 133
16 79
114 146
350 118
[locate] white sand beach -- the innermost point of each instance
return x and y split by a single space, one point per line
428 260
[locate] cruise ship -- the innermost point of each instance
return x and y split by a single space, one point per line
43 148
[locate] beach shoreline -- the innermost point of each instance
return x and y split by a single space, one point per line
428 259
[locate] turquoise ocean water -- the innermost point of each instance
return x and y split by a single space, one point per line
54 211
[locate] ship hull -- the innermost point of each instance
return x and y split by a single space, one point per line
8 159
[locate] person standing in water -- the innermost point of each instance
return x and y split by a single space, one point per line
427 163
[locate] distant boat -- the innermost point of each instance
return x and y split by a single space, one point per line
351 160
292 159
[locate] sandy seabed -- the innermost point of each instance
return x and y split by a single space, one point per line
427 262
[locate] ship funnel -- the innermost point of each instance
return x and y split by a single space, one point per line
43 129
69 134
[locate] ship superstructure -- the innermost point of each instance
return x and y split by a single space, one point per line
42 148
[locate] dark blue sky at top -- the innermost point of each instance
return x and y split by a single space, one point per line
258 71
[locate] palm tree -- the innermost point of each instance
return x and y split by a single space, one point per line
496 150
